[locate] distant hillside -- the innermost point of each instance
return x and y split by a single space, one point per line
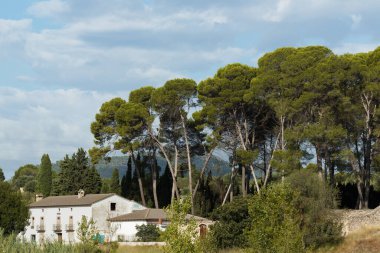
218 166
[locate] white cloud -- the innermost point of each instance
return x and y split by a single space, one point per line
13 30
48 8
356 19
277 13
354 48
55 122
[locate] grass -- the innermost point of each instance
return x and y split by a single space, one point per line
139 249
366 240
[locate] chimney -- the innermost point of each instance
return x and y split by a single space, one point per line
39 197
80 193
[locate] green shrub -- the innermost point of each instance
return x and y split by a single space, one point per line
148 233
275 221
316 200
181 234
232 217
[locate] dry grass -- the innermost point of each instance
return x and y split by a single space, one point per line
139 249
366 240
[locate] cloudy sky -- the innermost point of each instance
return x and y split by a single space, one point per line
61 59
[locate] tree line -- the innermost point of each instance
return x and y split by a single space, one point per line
300 107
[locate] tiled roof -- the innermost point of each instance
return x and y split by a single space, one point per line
70 200
151 214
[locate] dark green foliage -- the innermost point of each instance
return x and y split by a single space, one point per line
275 221
115 183
232 219
2 177
316 200
44 182
14 213
148 233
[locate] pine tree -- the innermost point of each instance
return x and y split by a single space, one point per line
77 174
115 184
44 182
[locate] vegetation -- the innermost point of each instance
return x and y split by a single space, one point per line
148 233
234 218
181 234
14 213
44 182
275 221
76 173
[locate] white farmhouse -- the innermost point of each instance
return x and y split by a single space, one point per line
57 217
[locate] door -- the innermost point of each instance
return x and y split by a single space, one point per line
59 237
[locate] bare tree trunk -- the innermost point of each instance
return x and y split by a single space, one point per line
154 181
174 189
269 169
188 163
245 148
282 120
243 184
162 149
141 187
203 171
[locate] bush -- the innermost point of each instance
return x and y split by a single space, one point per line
148 233
232 217
181 235
316 200
275 221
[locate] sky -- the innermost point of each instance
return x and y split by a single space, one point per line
61 59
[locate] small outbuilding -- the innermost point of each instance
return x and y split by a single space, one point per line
126 224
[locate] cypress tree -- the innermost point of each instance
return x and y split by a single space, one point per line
44 182
115 184
2 177
164 188
126 181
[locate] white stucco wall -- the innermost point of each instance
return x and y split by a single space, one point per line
127 230
50 218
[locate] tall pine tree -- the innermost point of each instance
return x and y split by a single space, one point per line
44 182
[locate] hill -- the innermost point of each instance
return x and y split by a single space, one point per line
216 164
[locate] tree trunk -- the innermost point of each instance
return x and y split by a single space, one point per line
188 163
243 184
141 187
154 181
203 171
174 177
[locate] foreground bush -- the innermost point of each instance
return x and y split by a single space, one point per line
232 217
275 221
10 244
316 200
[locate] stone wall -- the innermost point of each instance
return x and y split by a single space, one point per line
353 220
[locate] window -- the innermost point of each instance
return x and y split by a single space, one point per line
33 238
32 225
113 207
